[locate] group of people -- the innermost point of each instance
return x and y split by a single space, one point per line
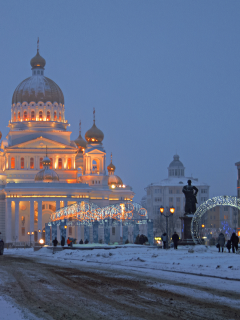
232 243
69 242
175 239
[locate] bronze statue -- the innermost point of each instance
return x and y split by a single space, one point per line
190 193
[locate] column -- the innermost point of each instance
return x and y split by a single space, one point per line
39 219
135 231
86 233
125 234
47 234
8 221
95 232
54 231
106 232
32 217
57 204
65 203
17 220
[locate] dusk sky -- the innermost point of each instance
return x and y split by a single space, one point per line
163 77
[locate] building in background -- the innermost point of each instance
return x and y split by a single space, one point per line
167 193
42 169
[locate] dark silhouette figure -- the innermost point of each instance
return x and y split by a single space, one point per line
190 193
221 241
55 242
81 242
164 239
63 241
228 245
69 242
175 239
234 240
86 241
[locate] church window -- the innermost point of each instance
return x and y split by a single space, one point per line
69 163
22 163
60 163
14 117
31 163
170 199
55 116
51 162
48 116
40 115
12 163
38 72
18 115
25 115
32 115
170 191
41 163
60 116
94 166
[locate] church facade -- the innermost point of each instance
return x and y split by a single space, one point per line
41 168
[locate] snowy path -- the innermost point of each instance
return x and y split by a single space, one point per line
124 283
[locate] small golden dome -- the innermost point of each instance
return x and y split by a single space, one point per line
80 142
111 167
114 180
94 135
38 61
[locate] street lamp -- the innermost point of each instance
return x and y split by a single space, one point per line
171 210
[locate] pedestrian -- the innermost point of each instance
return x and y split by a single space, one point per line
228 245
164 239
55 242
221 241
63 241
81 242
68 241
175 239
234 240
86 241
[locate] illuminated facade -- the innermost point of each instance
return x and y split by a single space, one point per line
33 184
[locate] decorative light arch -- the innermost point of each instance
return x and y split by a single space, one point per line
207 205
86 212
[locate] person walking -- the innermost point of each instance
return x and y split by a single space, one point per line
234 240
55 242
175 239
164 239
63 241
221 241
81 242
69 242
228 245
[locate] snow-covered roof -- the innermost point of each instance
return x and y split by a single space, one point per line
178 182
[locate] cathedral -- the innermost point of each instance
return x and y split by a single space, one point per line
41 168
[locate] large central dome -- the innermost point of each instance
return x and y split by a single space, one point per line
38 87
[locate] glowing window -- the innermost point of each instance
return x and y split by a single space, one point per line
14 117
69 163
60 116
41 163
48 116
18 115
40 115
25 115
12 163
59 163
32 115
55 116
51 163
31 163
22 163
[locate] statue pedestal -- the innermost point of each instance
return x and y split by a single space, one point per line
186 237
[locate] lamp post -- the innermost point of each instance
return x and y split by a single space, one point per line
30 233
171 212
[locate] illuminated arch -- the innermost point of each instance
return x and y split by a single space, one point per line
207 205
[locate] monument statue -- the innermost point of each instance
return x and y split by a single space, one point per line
190 193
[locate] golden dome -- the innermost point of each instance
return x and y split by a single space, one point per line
38 61
47 174
94 135
80 142
115 180
111 167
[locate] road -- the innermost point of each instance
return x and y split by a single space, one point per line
66 292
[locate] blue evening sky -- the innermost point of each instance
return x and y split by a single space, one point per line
162 75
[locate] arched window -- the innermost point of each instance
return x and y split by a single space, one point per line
55 116
32 115
12 163
25 115
31 163
48 116
60 116
51 163
94 166
22 163
41 164
14 117
60 163
19 116
69 163
40 115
